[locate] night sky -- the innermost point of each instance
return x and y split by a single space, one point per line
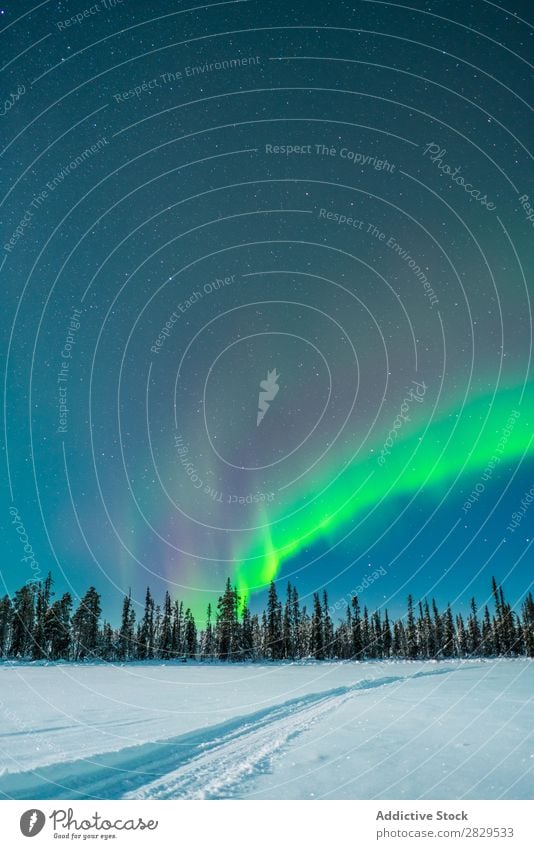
322 212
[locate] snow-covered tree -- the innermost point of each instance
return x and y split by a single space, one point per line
85 625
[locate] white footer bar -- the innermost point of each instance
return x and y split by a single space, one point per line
241 824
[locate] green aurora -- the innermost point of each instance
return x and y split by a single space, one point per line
471 442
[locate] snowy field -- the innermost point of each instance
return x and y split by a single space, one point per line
388 730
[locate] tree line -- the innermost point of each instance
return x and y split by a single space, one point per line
34 626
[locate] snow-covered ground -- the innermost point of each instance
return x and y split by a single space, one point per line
388 730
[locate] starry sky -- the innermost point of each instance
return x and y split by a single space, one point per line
320 211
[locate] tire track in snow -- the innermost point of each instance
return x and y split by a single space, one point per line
229 762
208 762
235 758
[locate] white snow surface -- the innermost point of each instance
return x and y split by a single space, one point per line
385 730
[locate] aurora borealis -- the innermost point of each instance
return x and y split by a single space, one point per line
267 272
429 459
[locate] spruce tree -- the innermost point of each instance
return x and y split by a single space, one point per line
376 630
237 637
178 636
317 633
157 628
474 633
264 636
366 634
274 625
125 647
387 637
448 634
108 649
305 632
340 641
462 637
399 640
438 628
22 622
287 625
145 645
328 628
85 625
527 614
190 635
411 631
347 643
43 593
519 639
256 637
226 623
57 628
509 635
165 636
357 637
296 638
429 635
488 644
6 612
208 640
123 641
497 619
247 634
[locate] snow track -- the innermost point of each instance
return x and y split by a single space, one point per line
216 762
